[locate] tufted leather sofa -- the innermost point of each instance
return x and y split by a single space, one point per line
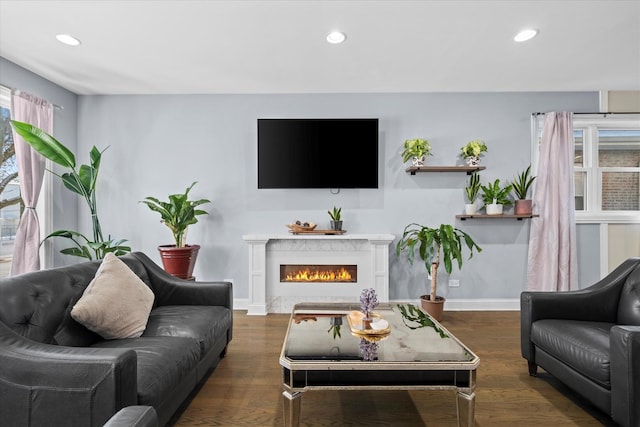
54 371
590 340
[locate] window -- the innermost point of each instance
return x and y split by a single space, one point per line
10 201
606 167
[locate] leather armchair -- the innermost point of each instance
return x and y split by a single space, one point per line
590 340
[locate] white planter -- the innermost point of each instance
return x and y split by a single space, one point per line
470 209
494 209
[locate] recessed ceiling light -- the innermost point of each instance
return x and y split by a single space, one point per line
336 37
525 35
68 40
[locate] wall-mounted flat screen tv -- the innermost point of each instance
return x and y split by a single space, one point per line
318 153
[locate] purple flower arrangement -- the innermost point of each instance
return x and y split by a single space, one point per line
368 302
368 350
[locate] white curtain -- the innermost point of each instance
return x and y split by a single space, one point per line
37 112
552 241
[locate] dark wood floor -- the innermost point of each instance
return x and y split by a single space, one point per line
245 389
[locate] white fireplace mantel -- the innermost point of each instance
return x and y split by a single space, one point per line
266 251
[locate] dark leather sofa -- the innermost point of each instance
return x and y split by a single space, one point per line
590 340
89 379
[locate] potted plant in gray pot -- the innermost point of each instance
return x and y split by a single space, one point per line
336 218
178 213
520 187
433 245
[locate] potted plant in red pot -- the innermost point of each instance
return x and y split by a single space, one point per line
521 186
178 213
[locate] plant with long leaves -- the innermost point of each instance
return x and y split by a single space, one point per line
493 192
177 213
473 187
434 244
82 181
522 183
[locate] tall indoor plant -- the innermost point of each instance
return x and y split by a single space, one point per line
178 213
82 181
444 243
521 186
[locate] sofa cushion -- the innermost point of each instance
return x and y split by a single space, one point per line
116 304
206 324
163 363
73 334
629 306
584 346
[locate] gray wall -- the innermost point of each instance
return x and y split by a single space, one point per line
160 144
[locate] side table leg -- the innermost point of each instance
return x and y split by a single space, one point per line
291 406
466 406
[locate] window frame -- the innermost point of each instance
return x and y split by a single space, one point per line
590 124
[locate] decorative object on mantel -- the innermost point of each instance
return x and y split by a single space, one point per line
472 151
336 218
433 244
521 186
472 189
495 197
416 150
178 213
301 226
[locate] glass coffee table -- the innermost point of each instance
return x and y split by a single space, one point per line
326 349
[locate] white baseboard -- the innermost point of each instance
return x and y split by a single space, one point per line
500 304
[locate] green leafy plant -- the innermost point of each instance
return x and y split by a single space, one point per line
82 181
473 187
412 313
336 215
494 193
473 148
415 148
434 244
178 213
522 183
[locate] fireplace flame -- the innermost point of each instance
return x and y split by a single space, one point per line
308 275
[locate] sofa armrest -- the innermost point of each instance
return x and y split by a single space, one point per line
134 416
43 384
171 290
597 303
625 374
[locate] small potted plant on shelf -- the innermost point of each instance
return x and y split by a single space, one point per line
472 151
336 218
495 197
433 245
416 150
520 187
178 213
472 189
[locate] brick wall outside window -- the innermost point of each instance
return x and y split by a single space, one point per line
620 190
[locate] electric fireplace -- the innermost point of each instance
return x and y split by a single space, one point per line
286 269
304 273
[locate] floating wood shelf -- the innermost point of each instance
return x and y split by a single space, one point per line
468 169
483 216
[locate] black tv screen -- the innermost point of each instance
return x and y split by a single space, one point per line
318 153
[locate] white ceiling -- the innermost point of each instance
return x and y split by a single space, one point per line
200 46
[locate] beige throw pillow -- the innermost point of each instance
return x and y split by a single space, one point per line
116 304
